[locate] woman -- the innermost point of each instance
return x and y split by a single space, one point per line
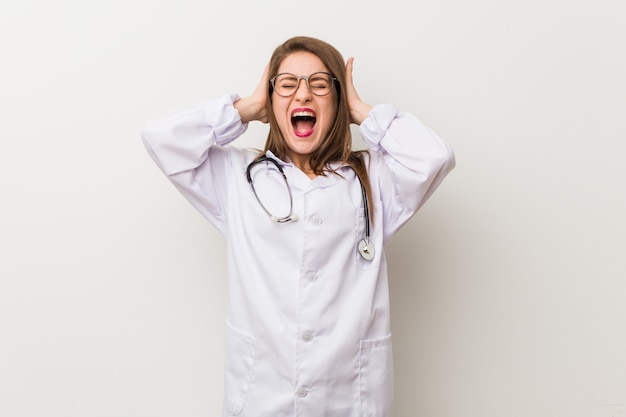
308 330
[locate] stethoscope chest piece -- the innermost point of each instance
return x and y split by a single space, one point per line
366 249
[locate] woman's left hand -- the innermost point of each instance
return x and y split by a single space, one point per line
358 109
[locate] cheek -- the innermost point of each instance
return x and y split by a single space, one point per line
332 113
275 108
332 107
279 111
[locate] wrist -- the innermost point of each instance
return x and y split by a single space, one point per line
360 112
247 108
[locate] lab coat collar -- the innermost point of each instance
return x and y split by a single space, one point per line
271 155
301 181
334 166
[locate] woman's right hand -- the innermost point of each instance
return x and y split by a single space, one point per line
254 107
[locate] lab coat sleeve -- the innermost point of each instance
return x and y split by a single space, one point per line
187 145
408 160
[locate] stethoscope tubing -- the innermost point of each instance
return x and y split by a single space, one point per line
286 218
293 217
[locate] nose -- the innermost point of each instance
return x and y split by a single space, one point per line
303 93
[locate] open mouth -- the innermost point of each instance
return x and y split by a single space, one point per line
303 122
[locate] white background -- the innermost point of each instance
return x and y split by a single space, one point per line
508 288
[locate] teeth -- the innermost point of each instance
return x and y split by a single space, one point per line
303 114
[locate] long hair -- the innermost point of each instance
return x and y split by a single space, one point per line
337 145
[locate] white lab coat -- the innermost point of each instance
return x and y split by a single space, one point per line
308 330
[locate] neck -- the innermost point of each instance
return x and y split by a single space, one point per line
307 170
302 163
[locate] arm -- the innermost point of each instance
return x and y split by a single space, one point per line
187 147
408 160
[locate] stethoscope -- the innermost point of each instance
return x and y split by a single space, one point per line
365 247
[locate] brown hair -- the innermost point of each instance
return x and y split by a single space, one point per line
337 145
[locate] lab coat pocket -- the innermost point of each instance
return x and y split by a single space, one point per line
376 377
241 356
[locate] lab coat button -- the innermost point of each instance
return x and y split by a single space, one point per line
301 392
311 276
307 336
316 220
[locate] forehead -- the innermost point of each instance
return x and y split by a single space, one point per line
302 63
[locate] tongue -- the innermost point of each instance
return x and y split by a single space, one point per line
304 125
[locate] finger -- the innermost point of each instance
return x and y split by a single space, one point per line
350 80
266 72
349 66
261 88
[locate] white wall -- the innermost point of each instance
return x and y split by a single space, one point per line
508 288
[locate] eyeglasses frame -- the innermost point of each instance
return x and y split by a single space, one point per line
306 78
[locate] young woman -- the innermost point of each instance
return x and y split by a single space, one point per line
306 221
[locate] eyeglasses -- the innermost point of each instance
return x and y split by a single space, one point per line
319 83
